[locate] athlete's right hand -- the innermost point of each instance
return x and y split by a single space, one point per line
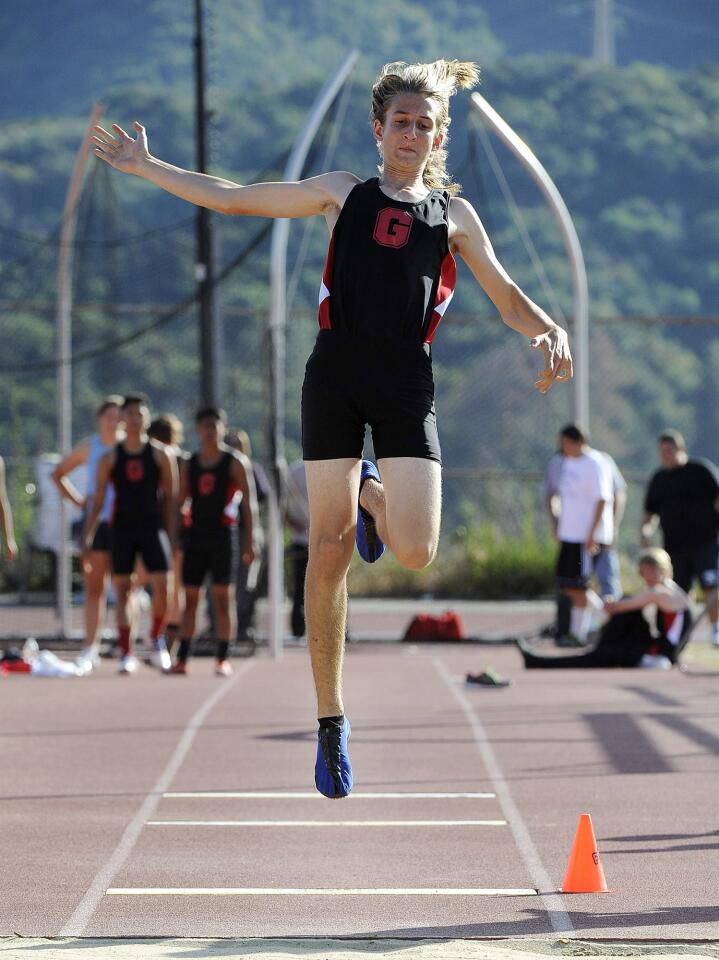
120 150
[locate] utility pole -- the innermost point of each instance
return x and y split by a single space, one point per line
604 49
204 272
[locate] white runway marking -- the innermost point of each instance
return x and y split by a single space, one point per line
326 823
75 926
314 795
318 892
558 916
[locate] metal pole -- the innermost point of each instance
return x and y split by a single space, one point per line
558 207
63 355
277 321
604 47
204 273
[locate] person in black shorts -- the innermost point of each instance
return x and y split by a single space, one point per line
144 477
389 277
212 483
683 498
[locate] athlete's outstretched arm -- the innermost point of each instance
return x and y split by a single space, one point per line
305 198
470 240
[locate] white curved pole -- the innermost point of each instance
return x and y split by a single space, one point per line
580 346
63 355
277 321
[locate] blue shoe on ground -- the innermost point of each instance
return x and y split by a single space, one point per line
369 545
333 770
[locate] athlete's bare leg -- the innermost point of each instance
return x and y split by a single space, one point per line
222 594
159 584
406 508
125 619
96 576
189 613
332 487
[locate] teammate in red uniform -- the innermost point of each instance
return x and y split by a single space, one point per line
213 481
389 277
144 477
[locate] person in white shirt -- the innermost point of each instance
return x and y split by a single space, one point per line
606 562
582 515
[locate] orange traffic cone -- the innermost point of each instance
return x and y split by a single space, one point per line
584 870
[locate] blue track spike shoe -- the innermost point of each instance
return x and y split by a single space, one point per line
333 770
369 545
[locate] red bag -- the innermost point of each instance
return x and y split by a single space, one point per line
427 627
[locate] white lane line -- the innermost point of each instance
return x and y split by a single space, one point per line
318 892
326 823
553 903
75 926
314 795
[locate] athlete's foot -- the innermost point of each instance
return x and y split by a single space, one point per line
333 770
128 664
178 669
160 656
369 544
223 668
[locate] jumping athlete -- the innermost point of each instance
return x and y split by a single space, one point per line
389 277
96 566
213 481
144 477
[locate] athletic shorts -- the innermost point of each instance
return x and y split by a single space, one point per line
150 543
212 552
351 382
700 562
102 541
575 565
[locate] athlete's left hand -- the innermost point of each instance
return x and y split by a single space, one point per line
554 344
248 556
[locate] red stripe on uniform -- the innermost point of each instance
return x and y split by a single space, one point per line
325 289
445 292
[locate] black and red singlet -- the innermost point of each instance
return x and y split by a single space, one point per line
213 493
136 479
389 272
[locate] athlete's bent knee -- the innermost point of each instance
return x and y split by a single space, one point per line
415 556
330 556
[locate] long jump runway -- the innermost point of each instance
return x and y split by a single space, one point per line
184 806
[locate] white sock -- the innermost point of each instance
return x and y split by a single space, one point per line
580 622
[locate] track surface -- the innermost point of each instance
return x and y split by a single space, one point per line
87 764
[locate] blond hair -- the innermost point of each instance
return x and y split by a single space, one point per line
439 81
656 557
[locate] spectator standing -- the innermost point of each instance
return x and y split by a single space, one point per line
213 481
606 562
583 525
96 566
144 476
683 498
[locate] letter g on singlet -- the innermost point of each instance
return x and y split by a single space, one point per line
392 227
